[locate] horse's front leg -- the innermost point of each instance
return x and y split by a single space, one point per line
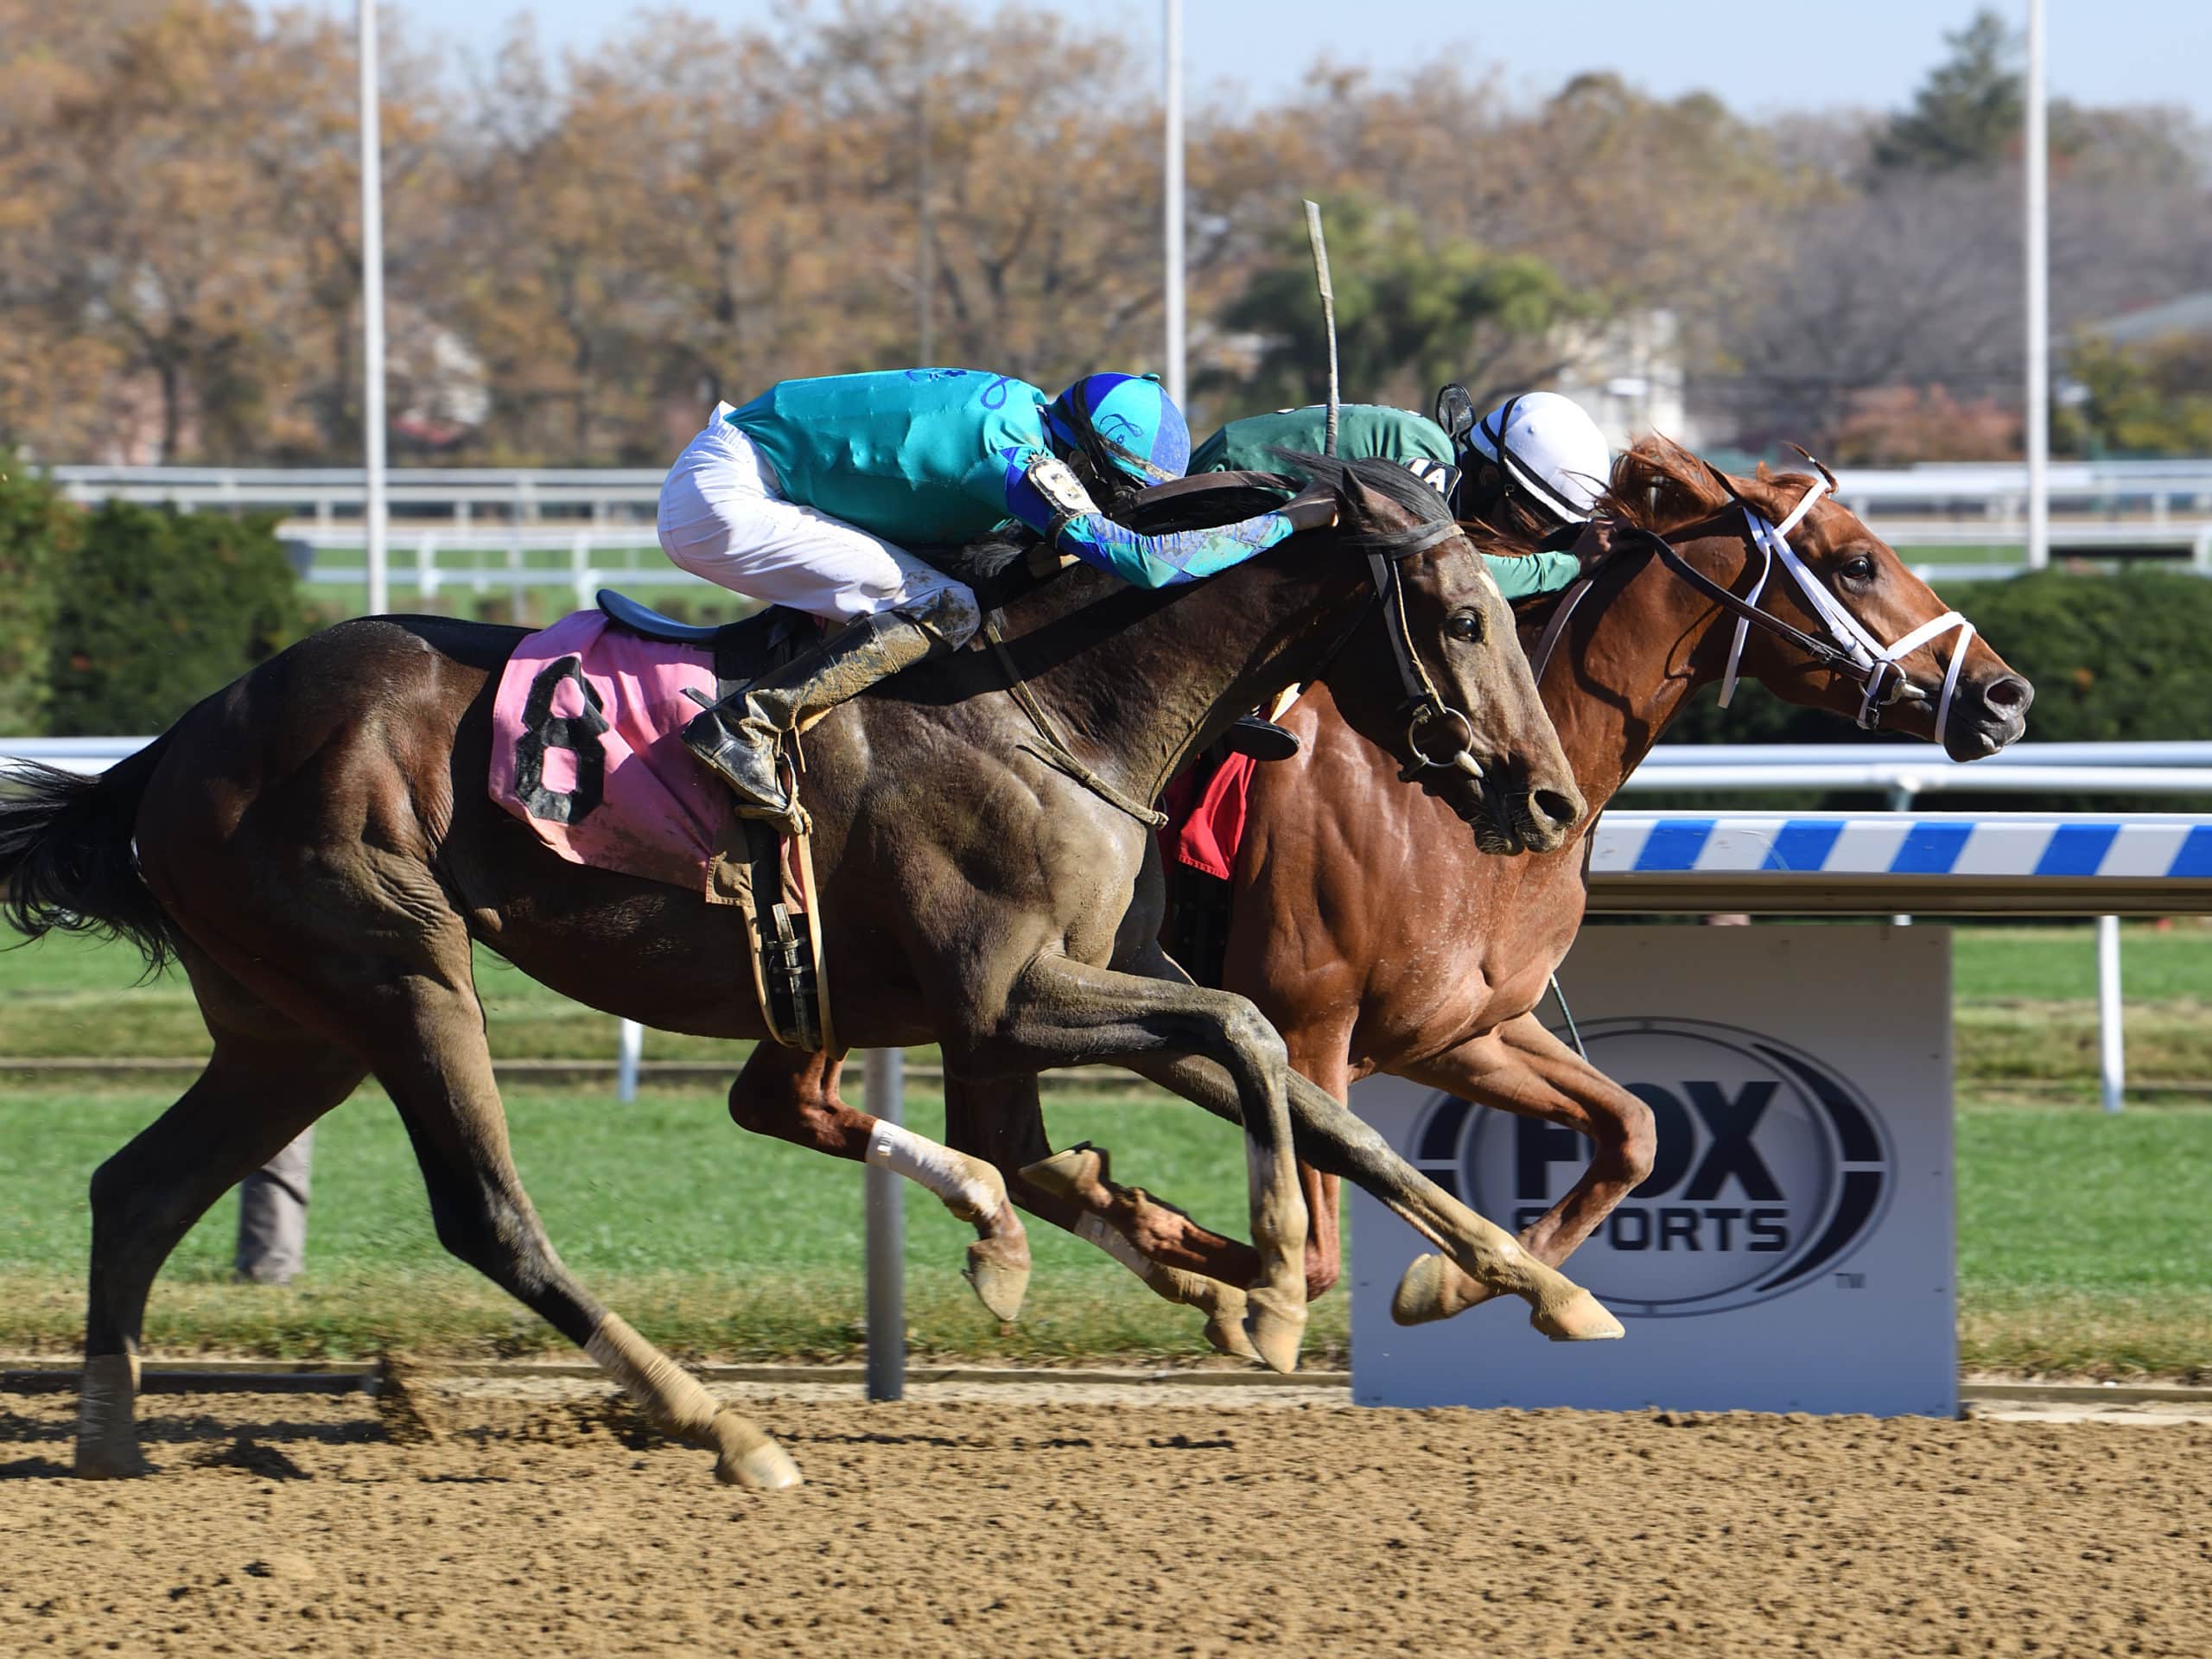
793 1096
1061 1012
1177 1259
1521 1067
1333 1140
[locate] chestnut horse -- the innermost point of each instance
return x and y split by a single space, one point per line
315 843
1359 927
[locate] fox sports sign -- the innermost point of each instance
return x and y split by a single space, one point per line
1791 1248
1771 1168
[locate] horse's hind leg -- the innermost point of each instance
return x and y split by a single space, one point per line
793 1096
258 1091
432 1061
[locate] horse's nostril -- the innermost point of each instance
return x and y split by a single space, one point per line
1555 807
2010 693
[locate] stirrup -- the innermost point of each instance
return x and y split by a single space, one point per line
1261 740
724 752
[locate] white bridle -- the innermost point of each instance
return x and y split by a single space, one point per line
1843 628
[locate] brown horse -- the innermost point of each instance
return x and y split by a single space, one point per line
1373 946
316 845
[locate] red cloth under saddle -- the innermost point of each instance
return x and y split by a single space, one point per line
1206 816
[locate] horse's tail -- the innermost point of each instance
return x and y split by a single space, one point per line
66 855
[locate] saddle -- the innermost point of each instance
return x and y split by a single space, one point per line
772 883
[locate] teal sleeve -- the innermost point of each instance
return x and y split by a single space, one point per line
1144 561
1531 575
1163 560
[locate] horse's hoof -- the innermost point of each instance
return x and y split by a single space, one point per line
1434 1287
1275 1327
1000 1283
766 1468
1071 1174
1225 1327
1580 1318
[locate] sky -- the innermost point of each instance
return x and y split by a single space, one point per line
1760 58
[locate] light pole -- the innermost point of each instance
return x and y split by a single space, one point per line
1172 212
373 502
2038 432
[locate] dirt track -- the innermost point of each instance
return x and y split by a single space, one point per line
547 1526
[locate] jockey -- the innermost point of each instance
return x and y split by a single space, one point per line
1533 467
809 496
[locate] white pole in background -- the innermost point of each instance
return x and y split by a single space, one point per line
2038 434
2111 1053
886 1236
373 503
629 1054
1172 227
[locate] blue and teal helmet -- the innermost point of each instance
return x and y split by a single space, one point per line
1123 421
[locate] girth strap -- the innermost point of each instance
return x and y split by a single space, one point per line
1053 750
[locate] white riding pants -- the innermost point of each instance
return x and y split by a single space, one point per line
724 515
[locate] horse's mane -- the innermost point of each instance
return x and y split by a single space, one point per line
1659 485
1387 478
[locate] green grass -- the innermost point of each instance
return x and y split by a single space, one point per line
714 1240
2084 1246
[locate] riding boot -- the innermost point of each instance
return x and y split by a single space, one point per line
740 735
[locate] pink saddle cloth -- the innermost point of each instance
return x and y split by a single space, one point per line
584 751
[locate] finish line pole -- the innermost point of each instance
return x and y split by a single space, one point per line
2038 425
372 501
1172 227
886 1236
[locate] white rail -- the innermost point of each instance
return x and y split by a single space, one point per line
2098 507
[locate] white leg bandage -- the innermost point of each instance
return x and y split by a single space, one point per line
957 1180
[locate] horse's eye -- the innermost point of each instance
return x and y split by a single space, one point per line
1860 569
1466 625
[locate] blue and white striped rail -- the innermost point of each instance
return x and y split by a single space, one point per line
1927 863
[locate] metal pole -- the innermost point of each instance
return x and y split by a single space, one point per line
1173 210
925 253
629 1055
373 503
2112 1058
1901 796
2038 434
887 1237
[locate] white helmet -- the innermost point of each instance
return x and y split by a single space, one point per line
1543 444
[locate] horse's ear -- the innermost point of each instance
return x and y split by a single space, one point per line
1818 465
1765 474
1727 487
1455 413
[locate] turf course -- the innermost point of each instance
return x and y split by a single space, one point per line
2084 1245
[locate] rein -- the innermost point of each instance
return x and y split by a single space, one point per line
1053 749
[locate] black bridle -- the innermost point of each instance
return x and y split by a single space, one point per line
1424 704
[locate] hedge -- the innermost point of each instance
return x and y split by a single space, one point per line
39 534
2124 657
158 608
